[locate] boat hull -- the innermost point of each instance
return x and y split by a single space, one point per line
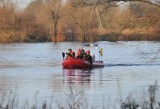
76 63
81 63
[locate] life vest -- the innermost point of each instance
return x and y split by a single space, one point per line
71 55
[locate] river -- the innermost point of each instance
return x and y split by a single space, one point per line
35 68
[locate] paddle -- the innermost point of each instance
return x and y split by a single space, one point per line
63 55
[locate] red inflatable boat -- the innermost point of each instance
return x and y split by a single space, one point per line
80 63
75 63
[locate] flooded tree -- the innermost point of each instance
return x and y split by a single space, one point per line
78 16
82 20
54 10
9 21
35 22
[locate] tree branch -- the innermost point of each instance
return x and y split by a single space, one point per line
84 3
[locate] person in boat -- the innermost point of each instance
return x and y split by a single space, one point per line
70 54
88 57
80 54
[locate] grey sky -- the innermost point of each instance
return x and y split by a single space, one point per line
23 3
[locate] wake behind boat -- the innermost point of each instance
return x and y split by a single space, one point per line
81 61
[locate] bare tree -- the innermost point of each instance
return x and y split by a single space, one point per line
80 18
111 2
54 11
9 26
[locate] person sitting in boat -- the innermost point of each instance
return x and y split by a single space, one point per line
70 54
80 54
88 57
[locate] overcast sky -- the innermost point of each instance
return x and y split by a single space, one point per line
23 3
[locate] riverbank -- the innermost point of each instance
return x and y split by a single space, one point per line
42 22
75 98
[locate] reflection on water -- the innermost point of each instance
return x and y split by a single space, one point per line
77 76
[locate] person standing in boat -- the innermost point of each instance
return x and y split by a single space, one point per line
70 54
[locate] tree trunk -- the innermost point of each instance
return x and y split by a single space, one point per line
55 33
83 35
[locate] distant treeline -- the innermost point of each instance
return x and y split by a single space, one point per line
56 20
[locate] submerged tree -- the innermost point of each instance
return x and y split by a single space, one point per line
54 8
9 20
35 22
77 14
82 16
